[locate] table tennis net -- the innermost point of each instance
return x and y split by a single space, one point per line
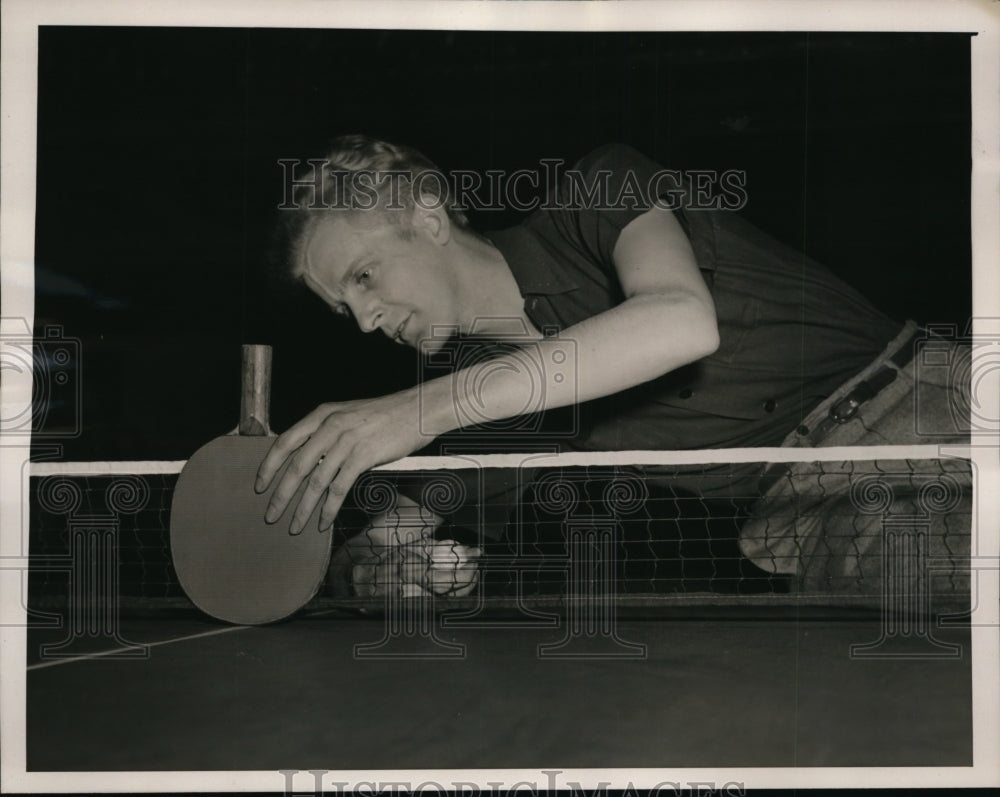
852 533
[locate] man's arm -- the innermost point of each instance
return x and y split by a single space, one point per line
667 320
407 522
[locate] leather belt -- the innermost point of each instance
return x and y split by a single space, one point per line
846 408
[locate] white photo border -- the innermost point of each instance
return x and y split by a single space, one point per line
20 22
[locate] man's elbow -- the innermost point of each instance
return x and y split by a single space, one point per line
709 338
704 328
688 320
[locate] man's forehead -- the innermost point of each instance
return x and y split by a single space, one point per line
335 239
319 254
325 240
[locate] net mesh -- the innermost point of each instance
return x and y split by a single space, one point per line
816 533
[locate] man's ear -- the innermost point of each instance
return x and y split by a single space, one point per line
432 219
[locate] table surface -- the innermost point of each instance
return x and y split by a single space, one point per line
335 691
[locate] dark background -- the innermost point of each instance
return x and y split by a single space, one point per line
158 179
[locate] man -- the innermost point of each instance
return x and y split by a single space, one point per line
691 328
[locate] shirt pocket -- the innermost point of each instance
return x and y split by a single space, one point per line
738 315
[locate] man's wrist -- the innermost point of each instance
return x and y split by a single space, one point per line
436 407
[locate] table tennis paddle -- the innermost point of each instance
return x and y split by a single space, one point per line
232 564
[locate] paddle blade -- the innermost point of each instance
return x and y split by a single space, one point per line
231 564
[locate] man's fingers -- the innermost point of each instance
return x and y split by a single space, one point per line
350 470
300 466
316 485
330 476
283 447
329 450
272 464
316 449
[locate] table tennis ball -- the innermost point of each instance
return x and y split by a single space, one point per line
413 591
387 572
453 569
411 563
443 567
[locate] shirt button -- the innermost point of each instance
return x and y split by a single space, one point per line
802 431
769 405
686 393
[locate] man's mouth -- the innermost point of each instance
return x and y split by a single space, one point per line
398 336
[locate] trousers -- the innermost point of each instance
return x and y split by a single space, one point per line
866 529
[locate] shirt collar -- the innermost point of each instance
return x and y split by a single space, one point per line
530 263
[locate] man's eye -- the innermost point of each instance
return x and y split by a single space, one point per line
365 276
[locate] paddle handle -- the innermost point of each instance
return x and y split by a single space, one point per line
255 403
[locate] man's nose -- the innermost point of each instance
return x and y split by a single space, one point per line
371 315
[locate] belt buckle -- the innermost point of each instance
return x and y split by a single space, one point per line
846 408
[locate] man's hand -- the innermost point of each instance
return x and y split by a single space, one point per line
332 446
441 567
397 554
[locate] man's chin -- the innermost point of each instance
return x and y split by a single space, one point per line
431 344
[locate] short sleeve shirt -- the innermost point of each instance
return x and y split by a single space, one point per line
790 331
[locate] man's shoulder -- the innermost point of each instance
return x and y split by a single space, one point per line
613 157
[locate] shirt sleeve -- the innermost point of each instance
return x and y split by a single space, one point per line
604 192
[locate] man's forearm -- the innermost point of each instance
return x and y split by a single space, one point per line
639 340
405 523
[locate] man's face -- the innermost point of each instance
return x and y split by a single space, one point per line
364 268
